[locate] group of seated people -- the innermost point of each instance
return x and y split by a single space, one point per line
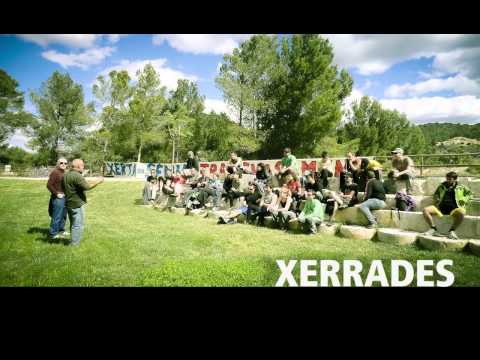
286 195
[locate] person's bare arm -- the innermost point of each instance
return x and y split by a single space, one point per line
96 182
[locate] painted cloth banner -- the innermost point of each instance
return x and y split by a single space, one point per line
142 170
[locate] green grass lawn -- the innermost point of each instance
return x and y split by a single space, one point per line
129 245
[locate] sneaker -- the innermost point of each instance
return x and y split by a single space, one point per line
57 237
452 235
65 233
430 232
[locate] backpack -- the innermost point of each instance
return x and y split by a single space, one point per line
404 202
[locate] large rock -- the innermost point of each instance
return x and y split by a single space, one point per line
474 246
441 243
396 236
327 229
357 232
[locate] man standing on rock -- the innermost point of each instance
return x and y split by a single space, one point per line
75 186
56 206
450 198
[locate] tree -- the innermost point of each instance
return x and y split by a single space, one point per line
12 116
243 75
63 116
113 95
217 136
380 130
185 105
146 109
305 94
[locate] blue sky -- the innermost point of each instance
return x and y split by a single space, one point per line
430 78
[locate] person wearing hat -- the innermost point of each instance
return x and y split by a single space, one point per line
403 168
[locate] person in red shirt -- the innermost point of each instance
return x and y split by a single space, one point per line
292 183
56 207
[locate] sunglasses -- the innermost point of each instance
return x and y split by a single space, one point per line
63 163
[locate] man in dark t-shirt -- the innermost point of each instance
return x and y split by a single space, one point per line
75 186
374 199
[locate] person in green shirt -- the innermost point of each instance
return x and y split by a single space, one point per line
289 164
312 213
75 186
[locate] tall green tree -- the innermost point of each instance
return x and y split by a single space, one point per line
185 105
12 116
245 73
146 109
305 96
62 115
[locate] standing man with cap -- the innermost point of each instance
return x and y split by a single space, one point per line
403 168
56 206
75 186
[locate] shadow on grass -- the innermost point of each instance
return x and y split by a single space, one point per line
45 236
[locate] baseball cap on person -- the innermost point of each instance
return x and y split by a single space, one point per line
398 151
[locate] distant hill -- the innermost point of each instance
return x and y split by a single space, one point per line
459 141
439 132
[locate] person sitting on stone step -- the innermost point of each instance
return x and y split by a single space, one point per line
149 190
252 198
212 186
374 199
350 193
390 184
314 185
283 211
261 177
450 198
267 204
289 164
403 168
231 186
324 170
371 165
312 214
333 201
232 216
236 162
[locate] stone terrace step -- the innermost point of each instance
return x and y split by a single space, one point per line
411 221
441 243
393 235
396 236
423 201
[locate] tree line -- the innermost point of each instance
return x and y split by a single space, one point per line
286 91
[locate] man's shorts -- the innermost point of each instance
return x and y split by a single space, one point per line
433 209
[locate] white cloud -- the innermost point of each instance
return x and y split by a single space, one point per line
463 61
70 40
114 38
76 41
376 53
82 60
465 109
168 76
20 140
219 106
459 84
217 44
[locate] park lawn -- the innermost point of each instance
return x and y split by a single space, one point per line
129 245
